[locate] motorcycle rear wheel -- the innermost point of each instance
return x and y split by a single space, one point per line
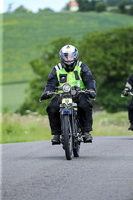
76 150
76 141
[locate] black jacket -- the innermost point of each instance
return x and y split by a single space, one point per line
129 83
85 73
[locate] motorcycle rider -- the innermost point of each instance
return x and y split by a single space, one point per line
128 88
76 73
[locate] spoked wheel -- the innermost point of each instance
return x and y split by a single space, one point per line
76 141
67 134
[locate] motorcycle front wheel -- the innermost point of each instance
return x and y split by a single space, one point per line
67 135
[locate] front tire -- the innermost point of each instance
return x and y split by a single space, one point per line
67 135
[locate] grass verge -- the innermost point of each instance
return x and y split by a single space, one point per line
16 128
115 124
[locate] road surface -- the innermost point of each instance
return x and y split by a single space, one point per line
40 171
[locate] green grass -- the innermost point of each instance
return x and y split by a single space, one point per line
23 33
13 96
16 128
116 124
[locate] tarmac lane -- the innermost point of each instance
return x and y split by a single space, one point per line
40 171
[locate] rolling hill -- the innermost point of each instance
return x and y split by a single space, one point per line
24 33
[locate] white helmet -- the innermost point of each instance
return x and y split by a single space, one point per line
68 55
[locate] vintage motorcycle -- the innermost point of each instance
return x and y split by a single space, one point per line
71 135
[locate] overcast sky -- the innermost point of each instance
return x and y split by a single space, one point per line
33 5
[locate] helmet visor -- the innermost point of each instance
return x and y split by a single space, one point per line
68 57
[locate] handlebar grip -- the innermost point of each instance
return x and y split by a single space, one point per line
129 93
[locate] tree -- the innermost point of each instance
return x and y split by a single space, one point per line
84 5
117 2
46 10
131 10
113 2
122 7
42 67
92 4
9 8
66 8
21 9
100 6
109 56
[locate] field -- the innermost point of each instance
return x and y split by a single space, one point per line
16 128
13 96
24 33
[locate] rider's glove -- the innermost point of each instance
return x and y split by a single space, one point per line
91 94
125 92
45 96
78 89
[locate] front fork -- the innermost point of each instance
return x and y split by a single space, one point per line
65 111
72 112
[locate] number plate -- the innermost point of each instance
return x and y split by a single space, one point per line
67 101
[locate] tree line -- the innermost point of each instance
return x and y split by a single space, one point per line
118 6
107 54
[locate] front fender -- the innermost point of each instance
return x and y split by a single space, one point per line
66 112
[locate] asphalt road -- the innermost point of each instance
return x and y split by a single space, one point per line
39 171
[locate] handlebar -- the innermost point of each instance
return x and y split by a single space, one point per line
80 91
56 93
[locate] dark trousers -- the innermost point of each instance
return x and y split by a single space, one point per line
84 113
130 111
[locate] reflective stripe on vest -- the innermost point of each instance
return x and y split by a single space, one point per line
73 78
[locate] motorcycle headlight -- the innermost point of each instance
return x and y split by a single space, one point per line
66 87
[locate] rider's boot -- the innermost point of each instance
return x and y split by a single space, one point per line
87 137
56 139
131 127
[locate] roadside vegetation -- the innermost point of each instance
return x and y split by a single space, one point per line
17 128
34 127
